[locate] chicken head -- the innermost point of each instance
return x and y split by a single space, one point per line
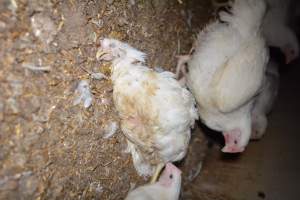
113 49
167 188
290 53
233 141
171 178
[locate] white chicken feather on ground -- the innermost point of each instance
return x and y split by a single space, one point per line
277 31
167 188
226 71
156 112
264 101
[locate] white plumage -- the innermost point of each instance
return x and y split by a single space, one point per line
226 71
156 112
277 31
264 101
167 188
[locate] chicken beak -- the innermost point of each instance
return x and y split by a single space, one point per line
227 149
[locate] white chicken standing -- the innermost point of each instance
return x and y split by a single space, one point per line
156 112
167 187
277 31
264 101
226 71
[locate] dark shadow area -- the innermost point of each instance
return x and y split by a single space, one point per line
213 137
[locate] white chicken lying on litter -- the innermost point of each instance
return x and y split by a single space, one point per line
277 31
226 71
264 101
167 188
156 112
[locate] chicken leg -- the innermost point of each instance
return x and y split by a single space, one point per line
158 169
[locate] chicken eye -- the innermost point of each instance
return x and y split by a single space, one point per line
171 176
235 142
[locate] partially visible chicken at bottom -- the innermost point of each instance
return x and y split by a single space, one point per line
167 188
